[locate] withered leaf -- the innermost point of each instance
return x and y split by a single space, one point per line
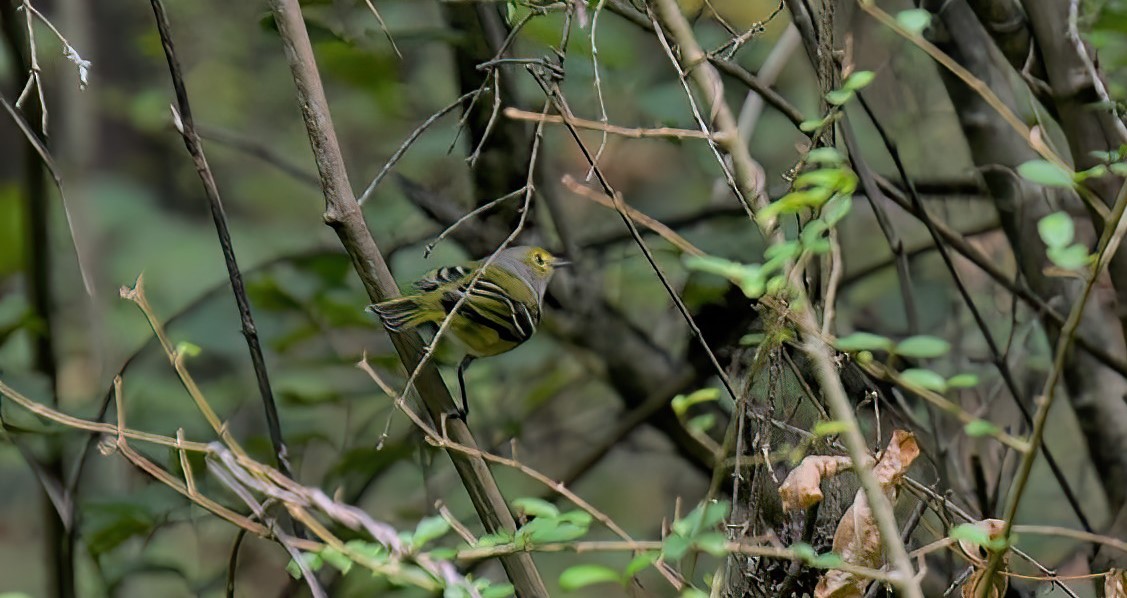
802 487
857 538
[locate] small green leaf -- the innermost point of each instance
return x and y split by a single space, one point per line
748 277
311 560
962 381
1118 168
1072 257
640 562
494 539
980 427
922 347
858 80
581 576
1057 229
428 529
969 532
337 559
915 20
1094 172
564 532
580 518
829 428
498 590
714 543
188 349
926 379
1046 173
535 507
804 551
753 339
691 592
864 341
682 403
702 423
837 97
809 126
825 155
836 209
829 560
785 250
674 547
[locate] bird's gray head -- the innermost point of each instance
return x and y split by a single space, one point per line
533 265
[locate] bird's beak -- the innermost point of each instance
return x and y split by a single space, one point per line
560 263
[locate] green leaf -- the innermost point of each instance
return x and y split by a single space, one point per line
837 208
311 560
1046 173
748 277
498 590
962 381
639 563
924 379
494 539
809 126
535 507
714 543
1057 229
430 528
813 238
804 551
922 347
829 560
858 80
980 427
188 349
825 155
581 576
969 532
1118 168
691 592
1094 172
337 559
785 250
674 547
914 20
837 97
702 423
682 403
1072 257
580 518
829 428
864 341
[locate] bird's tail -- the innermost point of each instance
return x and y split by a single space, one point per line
402 313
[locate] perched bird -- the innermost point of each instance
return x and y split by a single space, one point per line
501 309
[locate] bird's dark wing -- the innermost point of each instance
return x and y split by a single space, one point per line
436 278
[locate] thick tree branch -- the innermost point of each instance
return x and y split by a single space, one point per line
343 214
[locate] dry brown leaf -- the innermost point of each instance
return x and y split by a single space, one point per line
895 460
802 488
857 539
1115 584
979 556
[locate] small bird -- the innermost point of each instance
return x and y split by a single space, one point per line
500 311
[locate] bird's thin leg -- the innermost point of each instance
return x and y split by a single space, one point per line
466 361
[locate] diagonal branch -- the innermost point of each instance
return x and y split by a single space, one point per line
186 125
343 214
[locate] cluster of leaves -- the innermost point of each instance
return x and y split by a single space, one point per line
376 557
695 531
826 190
837 98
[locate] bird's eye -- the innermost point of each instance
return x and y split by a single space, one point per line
539 259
